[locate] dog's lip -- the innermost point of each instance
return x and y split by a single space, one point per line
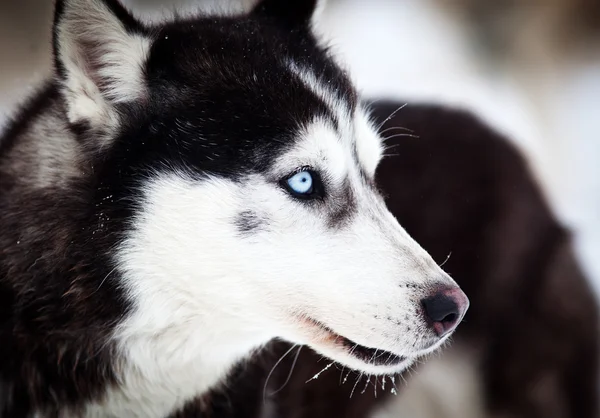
368 355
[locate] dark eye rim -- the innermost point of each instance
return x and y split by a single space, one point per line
317 191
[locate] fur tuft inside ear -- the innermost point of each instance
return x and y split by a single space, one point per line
99 52
290 14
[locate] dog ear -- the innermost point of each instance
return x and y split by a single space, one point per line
290 14
99 54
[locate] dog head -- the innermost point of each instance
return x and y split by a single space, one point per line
234 167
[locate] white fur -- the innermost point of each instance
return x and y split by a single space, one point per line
334 101
205 296
103 62
369 147
354 125
190 325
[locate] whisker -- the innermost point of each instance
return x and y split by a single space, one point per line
356 383
346 378
375 386
447 258
316 376
273 369
392 115
103 280
366 385
394 389
387 138
403 380
396 127
289 374
341 374
387 147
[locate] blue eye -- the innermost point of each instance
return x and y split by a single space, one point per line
305 184
301 183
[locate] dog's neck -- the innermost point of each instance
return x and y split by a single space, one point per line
166 368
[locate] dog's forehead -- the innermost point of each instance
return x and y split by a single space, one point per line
247 67
240 88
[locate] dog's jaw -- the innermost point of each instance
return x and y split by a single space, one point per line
367 360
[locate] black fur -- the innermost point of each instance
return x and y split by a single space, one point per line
462 190
291 14
190 97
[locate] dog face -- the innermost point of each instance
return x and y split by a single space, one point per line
235 169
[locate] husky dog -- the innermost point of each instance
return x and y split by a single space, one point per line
180 194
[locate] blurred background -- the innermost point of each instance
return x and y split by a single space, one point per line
530 68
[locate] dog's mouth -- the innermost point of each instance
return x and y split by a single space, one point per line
368 355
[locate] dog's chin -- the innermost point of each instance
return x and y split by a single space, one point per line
390 364
358 357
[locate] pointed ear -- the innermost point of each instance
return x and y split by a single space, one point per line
99 53
290 14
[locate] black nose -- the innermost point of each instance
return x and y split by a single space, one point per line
445 309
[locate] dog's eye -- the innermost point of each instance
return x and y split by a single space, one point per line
301 183
304 184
